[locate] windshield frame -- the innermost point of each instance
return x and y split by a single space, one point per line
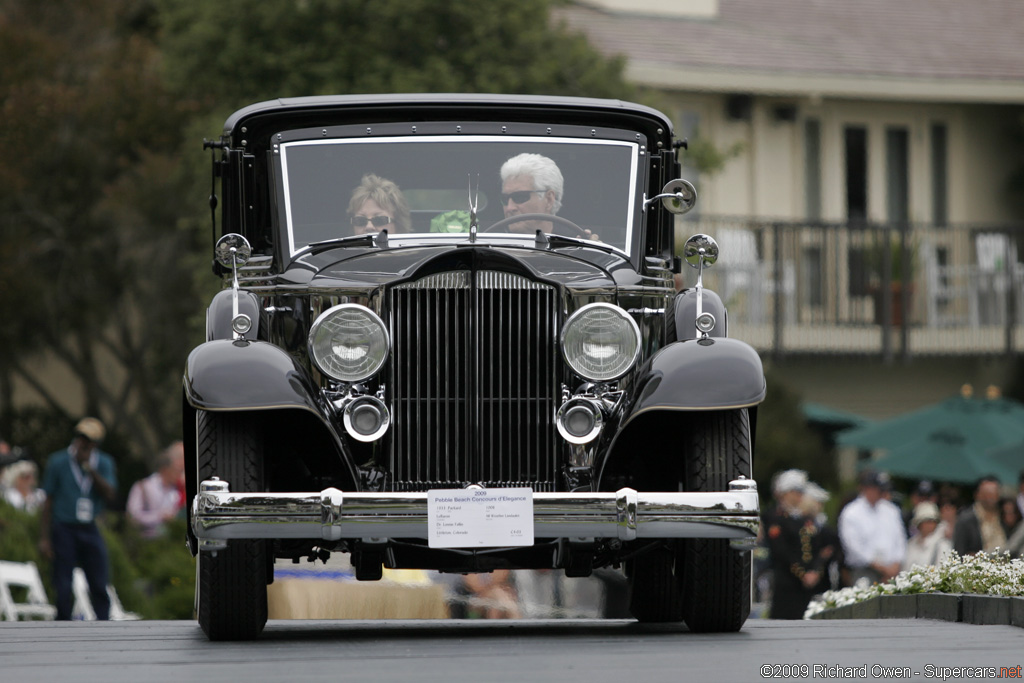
432 133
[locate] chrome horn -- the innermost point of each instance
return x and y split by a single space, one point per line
699 251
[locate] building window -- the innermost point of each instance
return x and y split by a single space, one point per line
812 168
940 200
855 140
897 175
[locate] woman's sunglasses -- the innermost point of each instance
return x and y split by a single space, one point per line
520 197
378 221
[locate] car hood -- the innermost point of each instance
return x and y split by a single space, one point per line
576 267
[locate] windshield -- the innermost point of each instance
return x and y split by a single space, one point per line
420 188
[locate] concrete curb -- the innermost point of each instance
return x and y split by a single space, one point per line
965 608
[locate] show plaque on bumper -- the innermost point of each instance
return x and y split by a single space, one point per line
219 515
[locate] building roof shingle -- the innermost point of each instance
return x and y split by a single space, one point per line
937 40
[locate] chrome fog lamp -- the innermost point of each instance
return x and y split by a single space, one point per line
241 324
705 322
579 420
348 342
366 418
600 342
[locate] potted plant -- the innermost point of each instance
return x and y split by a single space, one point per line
891 265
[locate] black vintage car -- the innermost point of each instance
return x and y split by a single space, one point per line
478 372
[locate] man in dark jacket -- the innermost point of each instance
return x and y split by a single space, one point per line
979 526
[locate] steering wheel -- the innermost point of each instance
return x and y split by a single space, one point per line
550 218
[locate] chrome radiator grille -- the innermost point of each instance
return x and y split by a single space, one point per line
474 380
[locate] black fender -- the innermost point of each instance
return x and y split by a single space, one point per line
685 313
701 374
681 381
221 310
247 375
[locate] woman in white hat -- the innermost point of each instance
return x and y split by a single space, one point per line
929 545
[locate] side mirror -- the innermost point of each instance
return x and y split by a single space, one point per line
678 196
701 250
233 251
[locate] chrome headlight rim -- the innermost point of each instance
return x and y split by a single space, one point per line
574 319
330 314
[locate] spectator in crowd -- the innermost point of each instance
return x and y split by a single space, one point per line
790 538
1020 494
826 541
157 499
79 482
928 545
872 534
949 508
1010 514
20 486
924 492
980 527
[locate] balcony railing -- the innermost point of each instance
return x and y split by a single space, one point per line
895 290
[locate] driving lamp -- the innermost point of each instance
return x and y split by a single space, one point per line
348 342
241 324
705 323
366 418
579 420
600 342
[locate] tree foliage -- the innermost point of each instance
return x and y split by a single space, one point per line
236 52
93 237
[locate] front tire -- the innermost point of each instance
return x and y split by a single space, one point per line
231 583
717 578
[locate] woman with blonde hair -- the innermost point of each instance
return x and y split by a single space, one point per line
377 204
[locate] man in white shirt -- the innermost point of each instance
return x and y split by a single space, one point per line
872 533
155 500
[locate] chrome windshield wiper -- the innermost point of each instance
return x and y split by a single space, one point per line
554 241
372 239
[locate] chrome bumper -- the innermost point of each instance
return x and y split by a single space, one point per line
219 515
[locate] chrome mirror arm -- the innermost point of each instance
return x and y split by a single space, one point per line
233 251
701 251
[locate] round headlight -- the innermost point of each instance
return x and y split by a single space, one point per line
600 342
348 342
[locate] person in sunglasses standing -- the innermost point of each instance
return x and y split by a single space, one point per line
530 183
377 204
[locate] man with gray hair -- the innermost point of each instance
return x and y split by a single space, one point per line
530 183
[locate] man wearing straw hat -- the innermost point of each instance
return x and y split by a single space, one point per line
79 482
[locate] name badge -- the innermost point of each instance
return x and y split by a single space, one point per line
83 511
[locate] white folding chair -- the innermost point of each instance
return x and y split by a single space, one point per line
23 575
83 605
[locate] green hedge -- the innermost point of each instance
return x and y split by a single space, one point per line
153 577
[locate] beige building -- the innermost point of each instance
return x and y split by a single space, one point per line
862 147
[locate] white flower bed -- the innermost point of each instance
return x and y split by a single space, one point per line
992 573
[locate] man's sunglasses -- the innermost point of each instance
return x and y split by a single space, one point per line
520 197
378 221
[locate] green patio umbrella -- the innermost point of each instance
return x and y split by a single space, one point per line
946 455
947 441
1012 457
817 413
